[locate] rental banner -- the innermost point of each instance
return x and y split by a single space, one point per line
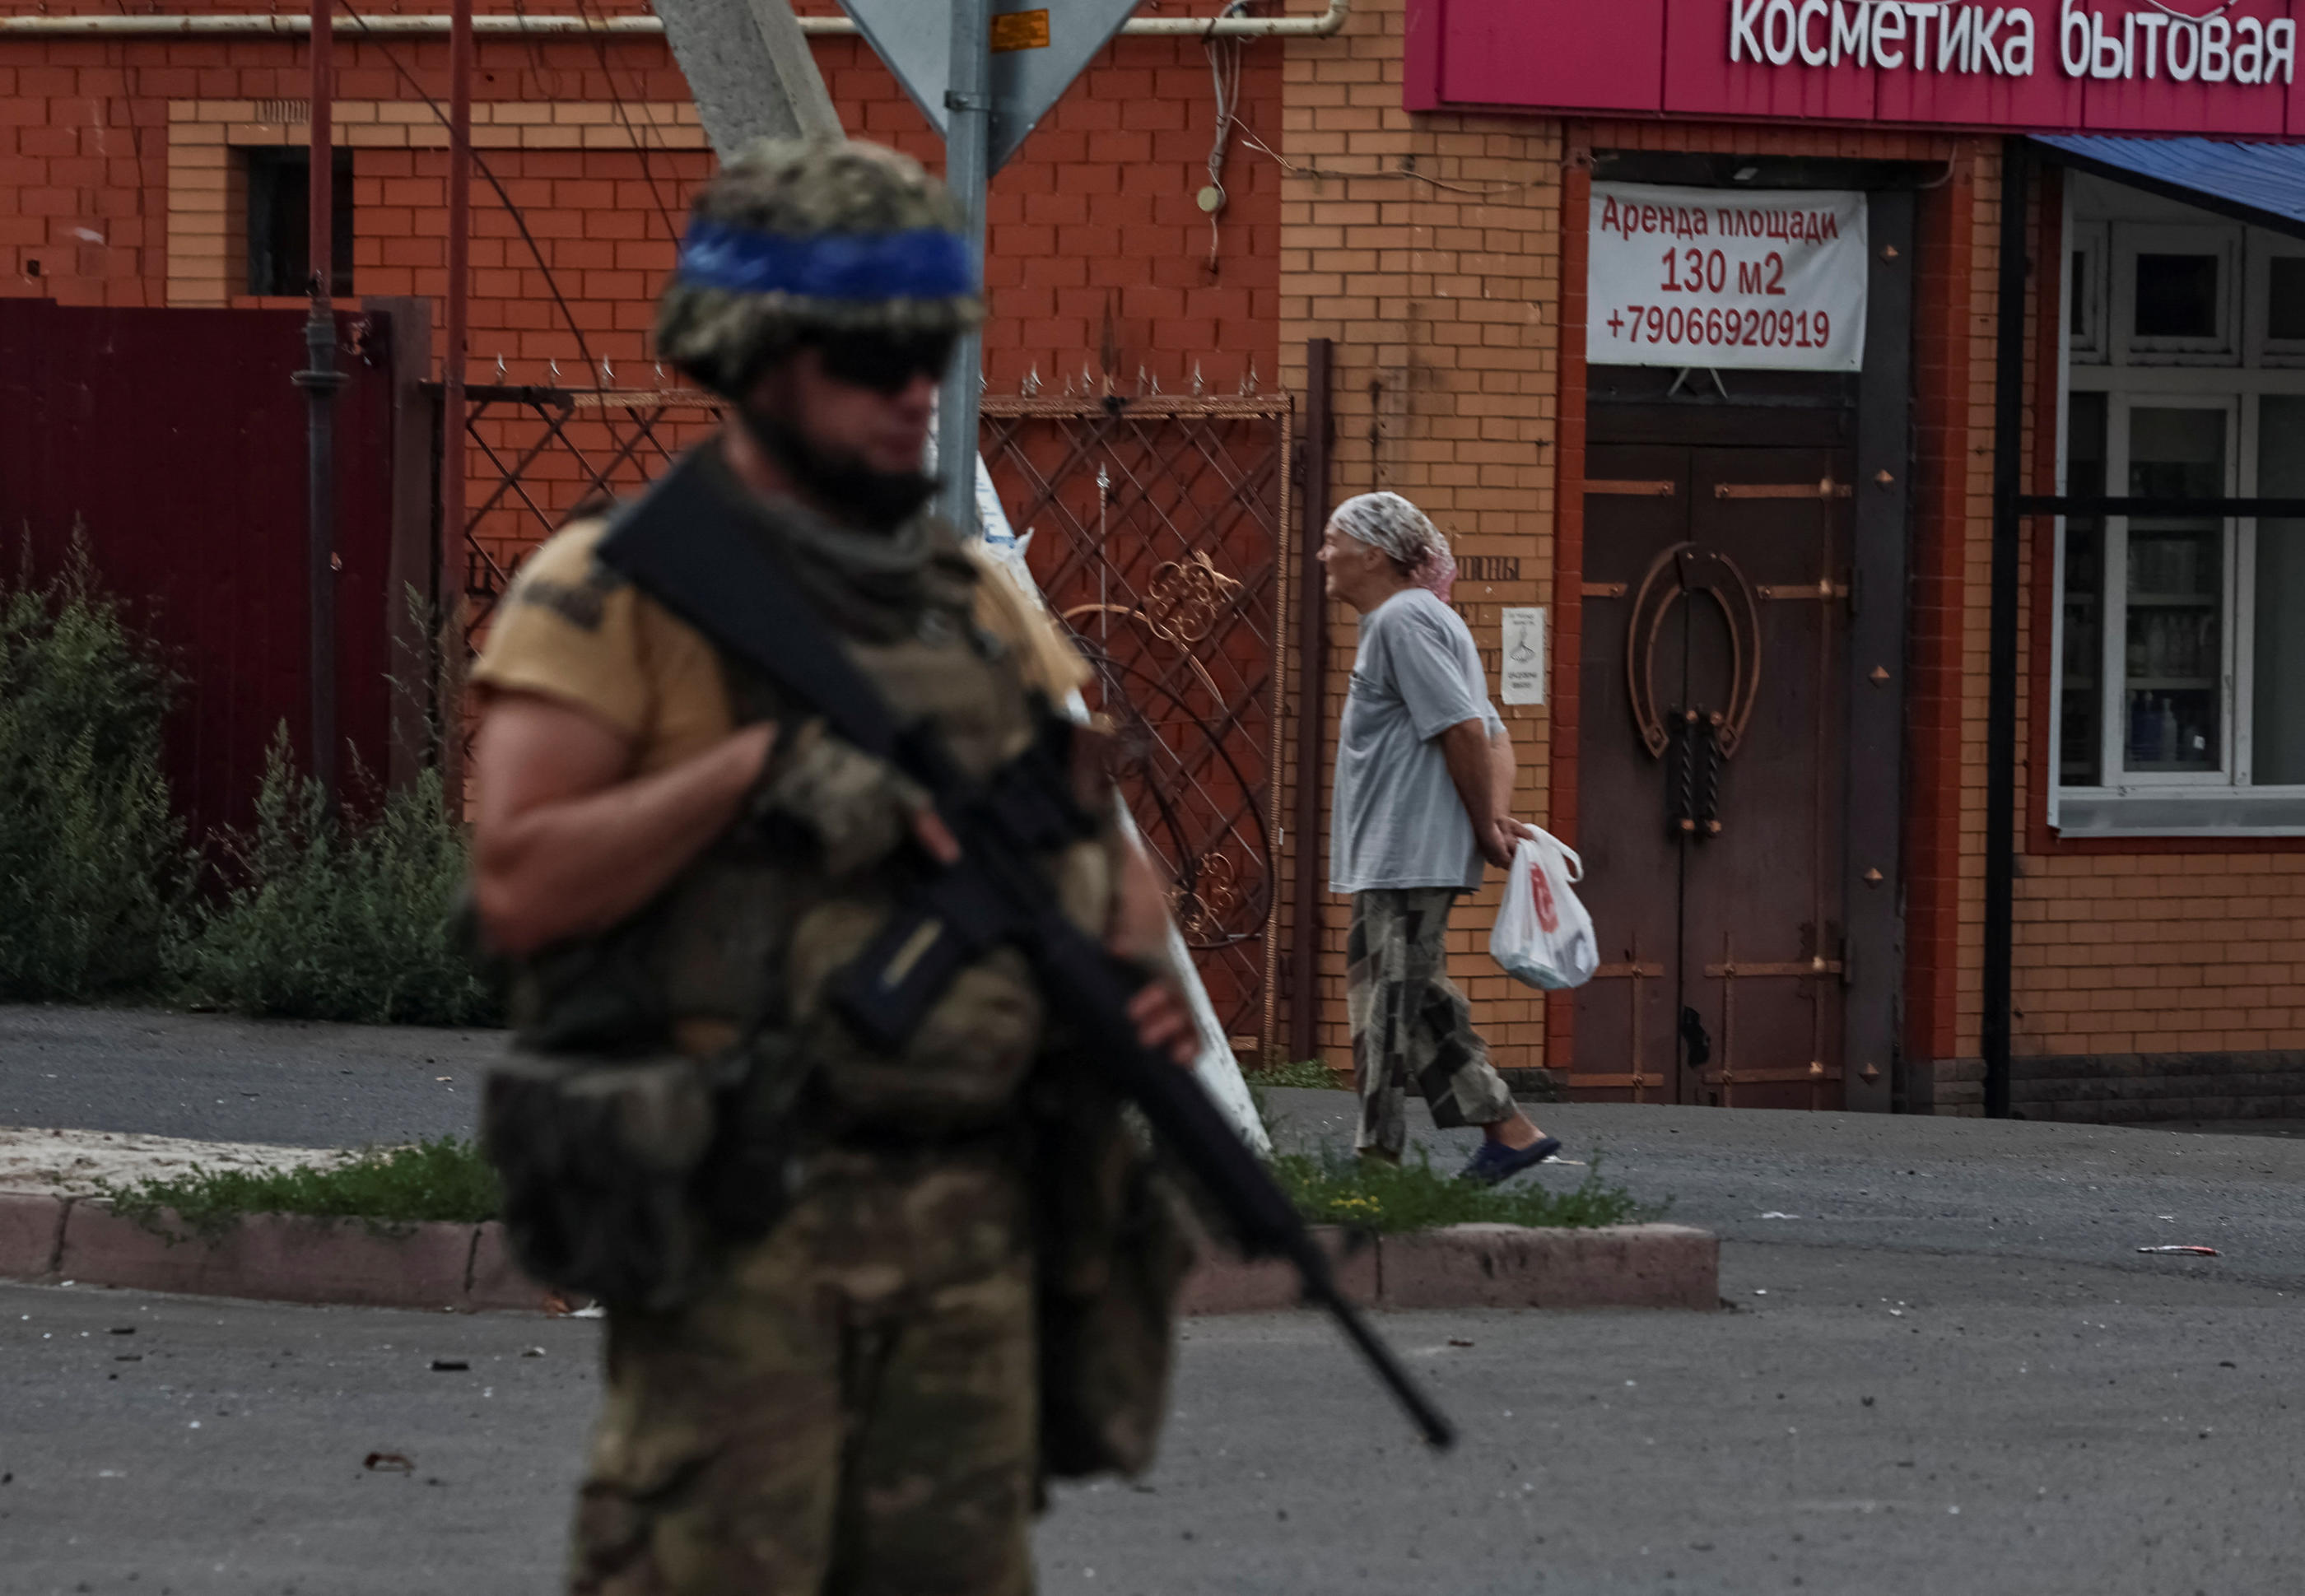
1726 277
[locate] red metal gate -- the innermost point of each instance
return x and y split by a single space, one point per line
174 442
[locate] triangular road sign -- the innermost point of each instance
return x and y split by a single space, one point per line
1039 46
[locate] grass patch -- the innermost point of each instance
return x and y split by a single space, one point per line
450 1179
1298 1071
1333 1187
444 1179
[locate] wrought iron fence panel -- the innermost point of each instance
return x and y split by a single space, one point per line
1158 532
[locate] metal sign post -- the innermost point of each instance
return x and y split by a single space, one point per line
984 86
967 172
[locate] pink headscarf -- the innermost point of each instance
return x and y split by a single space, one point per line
1389 522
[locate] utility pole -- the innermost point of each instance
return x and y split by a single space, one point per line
452 384
320 379
751 71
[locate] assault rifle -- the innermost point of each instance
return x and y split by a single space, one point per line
686 543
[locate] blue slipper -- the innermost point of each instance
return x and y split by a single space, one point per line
1496 1163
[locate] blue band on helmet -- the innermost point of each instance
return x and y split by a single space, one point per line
924 263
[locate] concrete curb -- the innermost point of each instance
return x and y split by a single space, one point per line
281 1258
289 1259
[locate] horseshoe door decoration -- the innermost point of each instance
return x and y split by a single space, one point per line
1702 737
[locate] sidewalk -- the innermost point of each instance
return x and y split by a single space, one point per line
2013 1188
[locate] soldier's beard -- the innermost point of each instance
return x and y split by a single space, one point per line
838 482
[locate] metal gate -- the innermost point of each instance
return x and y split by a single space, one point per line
537 456
171 444
1157 532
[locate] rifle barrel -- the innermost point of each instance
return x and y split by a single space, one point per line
1092 989
1431 1422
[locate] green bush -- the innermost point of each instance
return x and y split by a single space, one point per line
445 1179
336 917
90 856
1339 1188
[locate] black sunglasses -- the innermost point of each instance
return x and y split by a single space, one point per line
883 363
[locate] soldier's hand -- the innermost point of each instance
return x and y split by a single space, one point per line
932 834
1164 1022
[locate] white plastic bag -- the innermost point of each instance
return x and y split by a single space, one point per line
1543 935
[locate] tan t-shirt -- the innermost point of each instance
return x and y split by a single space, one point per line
572 629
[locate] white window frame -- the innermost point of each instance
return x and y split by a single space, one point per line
2258 342
2087 244
2132 239
2224 803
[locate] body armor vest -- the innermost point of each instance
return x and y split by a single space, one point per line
738 949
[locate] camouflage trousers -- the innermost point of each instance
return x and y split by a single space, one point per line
1411 1026
851 1408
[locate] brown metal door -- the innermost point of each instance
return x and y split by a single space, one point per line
1709 786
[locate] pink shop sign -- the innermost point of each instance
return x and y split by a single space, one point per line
2224 67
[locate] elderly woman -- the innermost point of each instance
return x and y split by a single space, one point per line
1424 793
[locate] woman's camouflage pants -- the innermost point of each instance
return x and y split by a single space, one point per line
850 1408
1411 1026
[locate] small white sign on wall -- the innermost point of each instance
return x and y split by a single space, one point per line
1522 677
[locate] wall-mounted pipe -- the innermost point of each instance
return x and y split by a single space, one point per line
267 24
1994 1032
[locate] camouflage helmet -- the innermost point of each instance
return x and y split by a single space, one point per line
795 237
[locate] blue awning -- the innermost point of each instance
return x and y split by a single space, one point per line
2260 183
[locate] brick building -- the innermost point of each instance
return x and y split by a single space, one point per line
1776 688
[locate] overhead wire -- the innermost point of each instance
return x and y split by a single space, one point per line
1483 191
504 196
624 117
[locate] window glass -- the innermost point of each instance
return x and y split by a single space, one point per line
2175 580
2284 297
2177 296
2080 737
2278 721
280 226
2077 296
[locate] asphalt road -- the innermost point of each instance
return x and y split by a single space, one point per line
1947 1370
1890 1423
217 1078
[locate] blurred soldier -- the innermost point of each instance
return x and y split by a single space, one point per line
832 1271
1425 783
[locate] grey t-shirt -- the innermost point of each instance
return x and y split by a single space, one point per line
1396 820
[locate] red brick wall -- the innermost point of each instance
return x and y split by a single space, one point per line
1095 219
